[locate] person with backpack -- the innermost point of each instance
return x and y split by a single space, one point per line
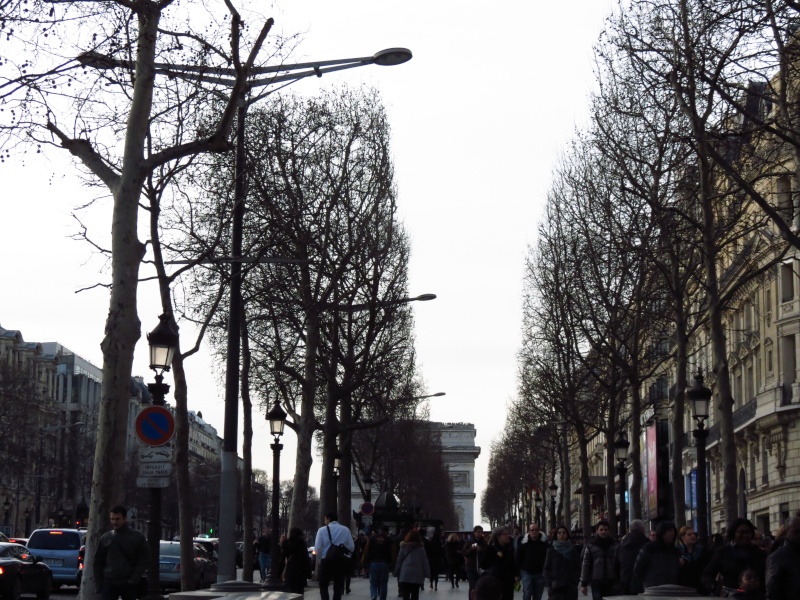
334 547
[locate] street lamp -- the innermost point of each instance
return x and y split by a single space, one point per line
538 504
277 420
163 341
227 77
621 445
553 495
699 397
368 488
7 509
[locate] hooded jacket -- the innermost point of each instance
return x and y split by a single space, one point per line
531 553
658 562
412 564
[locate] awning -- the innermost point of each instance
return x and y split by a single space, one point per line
597 485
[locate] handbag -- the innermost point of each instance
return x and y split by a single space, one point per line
337 554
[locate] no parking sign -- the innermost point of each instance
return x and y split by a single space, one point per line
155 426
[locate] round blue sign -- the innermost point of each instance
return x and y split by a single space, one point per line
155 425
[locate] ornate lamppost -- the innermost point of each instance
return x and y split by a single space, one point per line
553 488
621 445
277 419
163 341
699 397
537 501
368 481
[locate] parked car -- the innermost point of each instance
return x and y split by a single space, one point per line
22 573
59 549
169 566
210 545
20 541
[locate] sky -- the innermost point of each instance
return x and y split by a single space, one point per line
479 115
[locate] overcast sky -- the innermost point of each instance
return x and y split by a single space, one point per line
478 117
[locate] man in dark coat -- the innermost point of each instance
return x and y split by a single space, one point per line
628 552
783 565
659 561
530 554
121 558
471 554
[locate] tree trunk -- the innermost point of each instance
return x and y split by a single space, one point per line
634 455
122 324
678 411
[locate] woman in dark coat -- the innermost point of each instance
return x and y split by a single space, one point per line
435 551
412 568
562 567
693 559
734 557
294 555
453 558
498 559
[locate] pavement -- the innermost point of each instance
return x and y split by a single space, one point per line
359 590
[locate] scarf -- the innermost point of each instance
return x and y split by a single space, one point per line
563 548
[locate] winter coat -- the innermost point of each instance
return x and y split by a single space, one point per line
121 557
783 572
658 564
452 553
626 558
378 549
598 561
729 561
530 554
471 554
692 565
499 561
561 572
412 564
294 554
434 550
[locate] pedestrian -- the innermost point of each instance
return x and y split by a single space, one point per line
730 560
435 551
375 559
749 587
294 557
562 567
659 561
497 559
628 553
530 554
693 559
599 557
333 569
488 587
516 536
471 553
783 565
121 558
453 558
264 546
412 568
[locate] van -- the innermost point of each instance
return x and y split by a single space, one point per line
60 549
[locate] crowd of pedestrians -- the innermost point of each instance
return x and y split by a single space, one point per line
743 566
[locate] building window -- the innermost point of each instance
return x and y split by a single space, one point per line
789 370
787 282
784 199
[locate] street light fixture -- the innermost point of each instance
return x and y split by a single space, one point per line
699 398
163 341
368 481
537 502
277 420
621 445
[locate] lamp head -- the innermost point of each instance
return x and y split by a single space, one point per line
163 342
699 396
621 445
391 57
368 483
553 490
277 419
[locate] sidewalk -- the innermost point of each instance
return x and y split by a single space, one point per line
359 590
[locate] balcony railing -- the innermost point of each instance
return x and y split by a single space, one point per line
740 416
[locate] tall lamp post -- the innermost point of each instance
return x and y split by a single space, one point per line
337 465
699 397
6 509
277 419
621 445
553 488
163 342
226 77
538 503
